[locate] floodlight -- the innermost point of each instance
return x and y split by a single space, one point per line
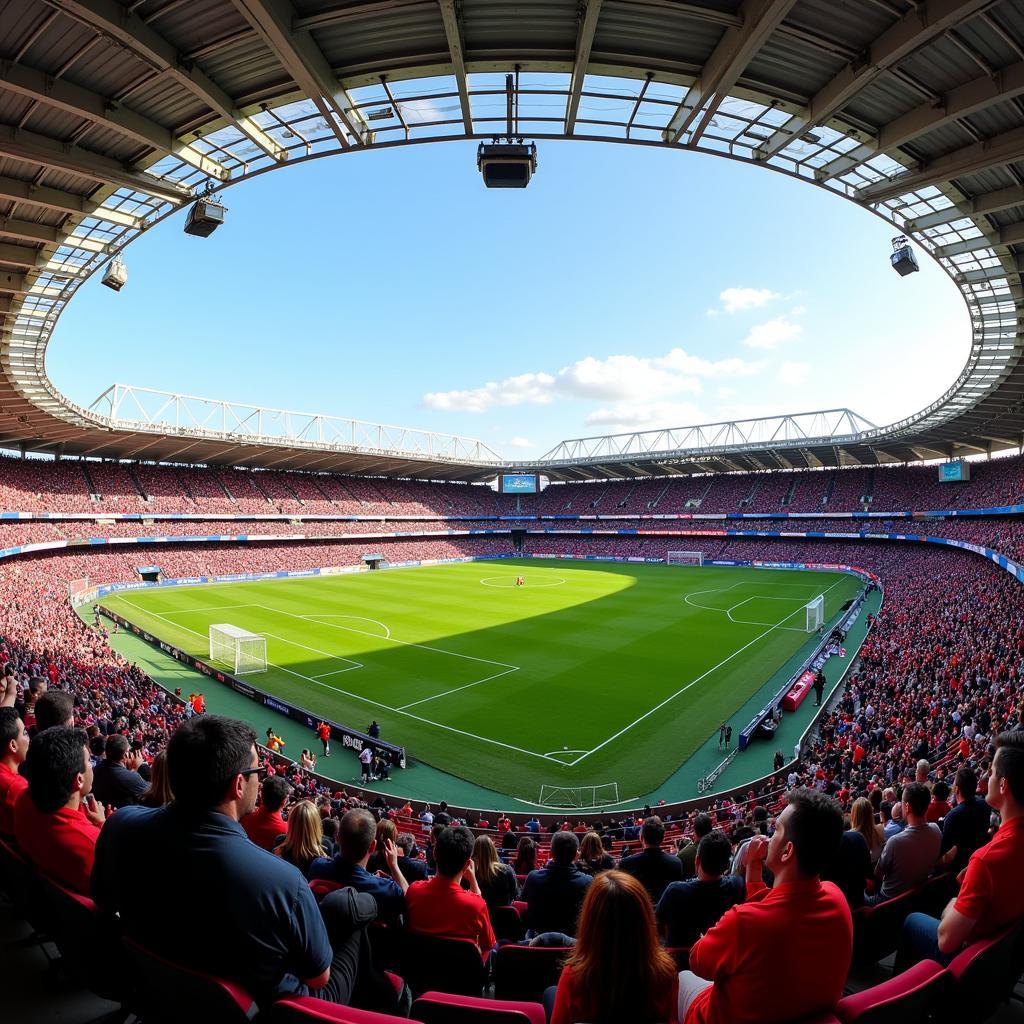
116 274
903 259
205 217
506 164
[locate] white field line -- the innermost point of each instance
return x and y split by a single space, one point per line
457 689
362 618
209 608
333 657
505 669
367 700
693 682
376 636
754 622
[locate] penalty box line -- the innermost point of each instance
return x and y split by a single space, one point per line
368 700
506 669
693 682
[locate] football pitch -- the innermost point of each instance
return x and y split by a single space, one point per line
590 673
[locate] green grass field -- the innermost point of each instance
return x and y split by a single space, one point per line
588 674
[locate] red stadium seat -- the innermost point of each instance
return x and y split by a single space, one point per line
908 998
320 887
877 929
302 1009
985 974
936 892
442 1008
434 963
87 942
19 882
524 972
168 993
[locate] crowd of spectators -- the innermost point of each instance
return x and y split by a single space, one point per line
91 486
911 737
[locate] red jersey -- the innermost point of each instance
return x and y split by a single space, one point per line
263 827
991 892
440 906
12 785
798 931
61 845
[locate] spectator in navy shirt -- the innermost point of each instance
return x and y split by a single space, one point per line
688 909
413 869
965 827
554 894
188 884
116 781
357 840
652 867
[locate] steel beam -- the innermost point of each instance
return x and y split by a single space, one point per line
995 152
979 206
584 43
111 19
21 255
923 23
56 92
40 149
725 65
1012 234
303 60
960 102
30 231
453 30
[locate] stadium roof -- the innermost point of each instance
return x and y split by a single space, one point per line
114 114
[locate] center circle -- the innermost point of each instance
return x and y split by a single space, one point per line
509 582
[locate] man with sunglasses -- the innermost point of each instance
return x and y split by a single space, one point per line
190 886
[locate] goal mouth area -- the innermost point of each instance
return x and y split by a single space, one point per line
242 650
578 798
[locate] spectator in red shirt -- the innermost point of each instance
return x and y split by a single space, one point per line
785 953
265 826
440 906
991 895
940 805
57 820
13 748
618 969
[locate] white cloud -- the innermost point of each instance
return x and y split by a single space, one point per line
616 378
736 299
726 392
536 388
793 374
645 415
518 442
771 334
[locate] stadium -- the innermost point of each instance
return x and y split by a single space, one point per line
310 718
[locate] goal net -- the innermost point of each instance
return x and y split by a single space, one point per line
565 797
242 650
685 558
815 613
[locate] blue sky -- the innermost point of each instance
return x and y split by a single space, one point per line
626 288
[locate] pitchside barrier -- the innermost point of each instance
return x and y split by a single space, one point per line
822 652
349 738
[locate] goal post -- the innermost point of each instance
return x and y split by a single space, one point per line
561 798
242 650
815 613
685 558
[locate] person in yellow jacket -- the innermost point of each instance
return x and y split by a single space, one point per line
274 743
